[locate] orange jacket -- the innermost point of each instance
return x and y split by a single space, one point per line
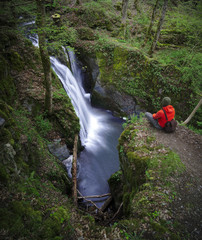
170 112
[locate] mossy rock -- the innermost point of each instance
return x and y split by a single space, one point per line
7 89
57 174
16 61
86 33
116 188
4 175
54 224
97 17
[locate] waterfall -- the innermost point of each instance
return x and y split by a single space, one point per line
99 132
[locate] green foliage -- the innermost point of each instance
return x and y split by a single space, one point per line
24 124
186 22
25 10
133 119
142 19
59 94
43 125
170 164
99 14
187 61
60 35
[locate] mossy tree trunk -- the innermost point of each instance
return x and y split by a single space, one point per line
76 2
124 11
136 5
124 15
158 31
151 23
44 54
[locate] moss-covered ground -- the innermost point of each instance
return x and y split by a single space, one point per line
149 181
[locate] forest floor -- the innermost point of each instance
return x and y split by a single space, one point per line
187 207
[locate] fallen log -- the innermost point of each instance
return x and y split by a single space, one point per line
106 204
89 201
116 213
95 196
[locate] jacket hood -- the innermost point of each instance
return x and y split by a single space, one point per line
169 108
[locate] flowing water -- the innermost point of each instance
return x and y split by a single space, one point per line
99 132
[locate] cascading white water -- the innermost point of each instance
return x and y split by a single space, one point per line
99 132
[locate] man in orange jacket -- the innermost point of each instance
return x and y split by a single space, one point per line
159 119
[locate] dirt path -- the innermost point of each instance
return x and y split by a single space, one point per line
187 206
189 147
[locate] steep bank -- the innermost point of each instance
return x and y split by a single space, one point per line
160 192
35 195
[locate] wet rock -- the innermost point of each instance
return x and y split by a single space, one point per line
9 152
68 164
8 156
59 150
113 100
2 122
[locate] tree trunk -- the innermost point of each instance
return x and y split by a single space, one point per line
158 31
136 5
74 170
76 2
124 11
124 16
44 54
193 112
151 23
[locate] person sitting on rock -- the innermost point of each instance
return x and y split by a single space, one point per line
158 120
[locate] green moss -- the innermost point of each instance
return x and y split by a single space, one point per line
140 162
159 228
86 33
16 61
4 176
20 219
119 60
116 187
150 139
7 88
6 136
53 225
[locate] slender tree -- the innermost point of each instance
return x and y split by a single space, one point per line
76 2
151 23
124 15
44 54
160 24
193 112
124 11
136 5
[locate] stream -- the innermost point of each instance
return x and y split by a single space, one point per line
99 131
